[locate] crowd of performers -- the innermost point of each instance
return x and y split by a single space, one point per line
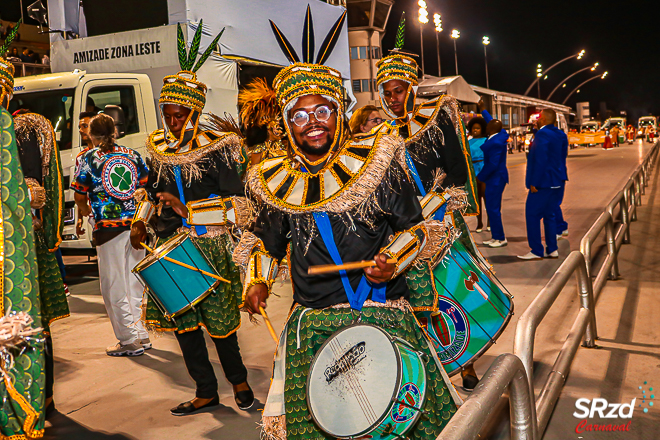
288 190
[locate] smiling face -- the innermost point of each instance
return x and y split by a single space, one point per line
175 117
315 137
395 92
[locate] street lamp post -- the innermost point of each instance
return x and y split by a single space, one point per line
539 74
579 57
593 68
423 18
486 42
577 89
437 20
455 35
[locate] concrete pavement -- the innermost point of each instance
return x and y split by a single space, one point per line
103 397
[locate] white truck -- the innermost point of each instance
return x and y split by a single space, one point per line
61 97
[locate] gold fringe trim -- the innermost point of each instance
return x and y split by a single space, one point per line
244 211
190 161
273 427
437 239
243 250
458 199
357 194
44 131
401 304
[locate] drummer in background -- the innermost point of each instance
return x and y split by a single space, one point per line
107 176
364 119
195 181
349 219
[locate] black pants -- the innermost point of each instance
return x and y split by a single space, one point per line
196 356
48 353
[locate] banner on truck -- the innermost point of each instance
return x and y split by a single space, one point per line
120 52
586 138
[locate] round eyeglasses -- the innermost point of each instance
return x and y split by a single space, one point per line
322 114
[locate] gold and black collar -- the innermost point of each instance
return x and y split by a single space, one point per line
344 182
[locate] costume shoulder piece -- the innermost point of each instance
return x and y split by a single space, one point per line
43 129
162 148
346 181
426 116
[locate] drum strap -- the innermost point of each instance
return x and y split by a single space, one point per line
440 213
200 230
355 298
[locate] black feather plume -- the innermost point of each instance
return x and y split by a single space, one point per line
330 40
308 38
286 47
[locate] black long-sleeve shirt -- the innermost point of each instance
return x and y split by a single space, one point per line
355 239
218 178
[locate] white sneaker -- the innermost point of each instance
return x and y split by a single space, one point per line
530 256
560 237
487 242
564 233
498 243
479 230
132 349
554 254
488 228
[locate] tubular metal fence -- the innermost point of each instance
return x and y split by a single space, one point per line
530 416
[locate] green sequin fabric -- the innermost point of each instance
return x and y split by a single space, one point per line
313 327
21 404
423 295
218 313
54 305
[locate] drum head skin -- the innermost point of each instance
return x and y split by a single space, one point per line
352 381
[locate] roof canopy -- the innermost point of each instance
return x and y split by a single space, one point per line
455 86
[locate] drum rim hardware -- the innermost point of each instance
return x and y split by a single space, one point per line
393 399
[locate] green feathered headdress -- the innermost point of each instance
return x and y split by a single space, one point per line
398 64
7 68
183 88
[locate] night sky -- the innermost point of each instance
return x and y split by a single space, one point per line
622 36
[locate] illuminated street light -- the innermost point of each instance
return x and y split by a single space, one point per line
529 89
423 18
594 67
577 89
486 42
437 21
455 35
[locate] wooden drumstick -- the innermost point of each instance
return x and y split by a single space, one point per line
269 325
187 266
328 268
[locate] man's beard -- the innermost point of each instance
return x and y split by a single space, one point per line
317 151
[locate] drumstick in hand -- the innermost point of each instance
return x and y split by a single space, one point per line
327 268
269 325
187 266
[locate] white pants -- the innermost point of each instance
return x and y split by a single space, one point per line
120 288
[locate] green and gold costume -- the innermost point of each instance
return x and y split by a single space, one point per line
21 391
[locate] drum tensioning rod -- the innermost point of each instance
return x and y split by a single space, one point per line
187 266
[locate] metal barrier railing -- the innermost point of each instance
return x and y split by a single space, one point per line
502 374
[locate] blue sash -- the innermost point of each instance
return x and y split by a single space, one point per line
200 230
440 213
355 298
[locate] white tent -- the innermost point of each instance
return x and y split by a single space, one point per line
455 86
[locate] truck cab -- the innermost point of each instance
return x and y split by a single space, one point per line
61 97
644 122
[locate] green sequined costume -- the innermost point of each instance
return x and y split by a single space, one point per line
21 392
219 312
314 328
54 304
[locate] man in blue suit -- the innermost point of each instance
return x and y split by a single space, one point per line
544 179
562 226
495 175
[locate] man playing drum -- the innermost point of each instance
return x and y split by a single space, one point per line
334 199
195 181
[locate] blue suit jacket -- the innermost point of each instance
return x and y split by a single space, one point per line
495 153
546 162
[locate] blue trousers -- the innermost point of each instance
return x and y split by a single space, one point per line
493 197
559 216
542 205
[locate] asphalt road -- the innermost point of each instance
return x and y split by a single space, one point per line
102 397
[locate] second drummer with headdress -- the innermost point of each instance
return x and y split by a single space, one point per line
333 199
194 187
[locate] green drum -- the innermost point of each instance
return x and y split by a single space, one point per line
473 308
364 383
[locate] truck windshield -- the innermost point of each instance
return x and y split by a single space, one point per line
55 105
